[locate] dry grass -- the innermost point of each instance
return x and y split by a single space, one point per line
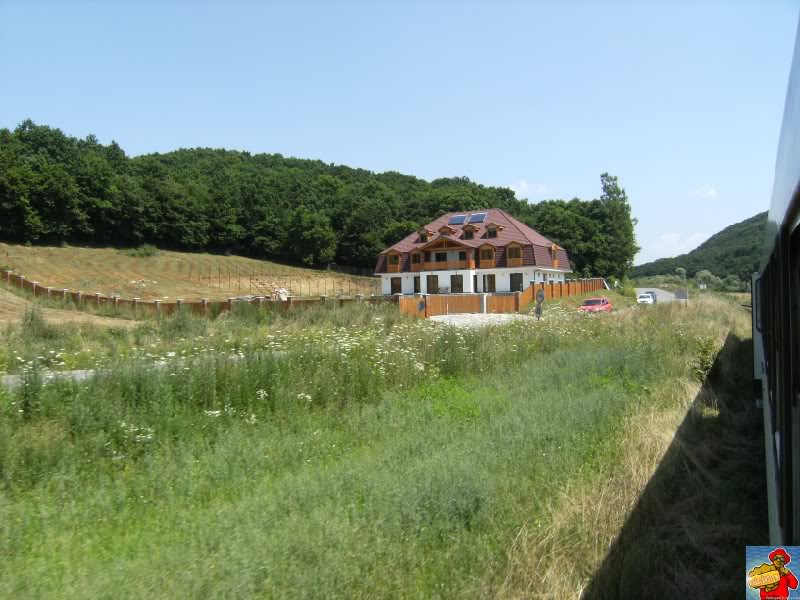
169 275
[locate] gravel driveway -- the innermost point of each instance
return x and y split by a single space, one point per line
480 320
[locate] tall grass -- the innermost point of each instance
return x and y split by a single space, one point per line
337 454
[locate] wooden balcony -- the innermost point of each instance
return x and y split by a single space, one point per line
450 265
514 262
393 268
486 263
417 267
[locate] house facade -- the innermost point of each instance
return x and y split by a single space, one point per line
471 252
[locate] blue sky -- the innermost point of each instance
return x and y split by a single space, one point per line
683 101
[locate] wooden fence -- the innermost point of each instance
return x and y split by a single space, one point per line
418 305
429 305
158 308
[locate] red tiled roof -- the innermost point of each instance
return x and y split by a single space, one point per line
512 231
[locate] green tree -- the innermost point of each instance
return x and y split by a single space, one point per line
681 272
312 241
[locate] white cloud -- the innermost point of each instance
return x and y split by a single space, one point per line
523 189
672 244
704 191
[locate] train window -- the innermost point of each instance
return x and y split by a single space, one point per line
758 294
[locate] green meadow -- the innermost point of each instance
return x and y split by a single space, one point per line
325 453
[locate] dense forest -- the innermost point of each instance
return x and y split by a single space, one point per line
734 251
56 188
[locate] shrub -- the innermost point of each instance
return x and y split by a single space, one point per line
143 251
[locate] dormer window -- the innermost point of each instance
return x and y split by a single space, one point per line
491 232
445 230
394 260
416 258
514 252
468 234
423 237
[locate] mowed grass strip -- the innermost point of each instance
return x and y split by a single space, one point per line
167 275
323 473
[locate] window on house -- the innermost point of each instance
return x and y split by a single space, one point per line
462 255
487 254
416 284
457 284
396 285
516 282
514 252
394 260
469 234
441 257
427 257
423 237
415 259
489 283
491 232
433 284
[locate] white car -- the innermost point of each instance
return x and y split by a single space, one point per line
645 299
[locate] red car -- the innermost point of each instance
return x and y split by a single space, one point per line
594 305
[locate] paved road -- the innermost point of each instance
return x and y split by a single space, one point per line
661 295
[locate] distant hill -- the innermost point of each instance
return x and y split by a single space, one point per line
733 251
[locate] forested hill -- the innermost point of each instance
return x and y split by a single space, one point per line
57 188
735 250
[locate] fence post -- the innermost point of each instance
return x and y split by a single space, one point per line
135 304
33 287
97 298
158 308
79 299
484 303
8 275
116 302
64 293
231 301
359 297
22 282
205 306
178 304
516 301
49 290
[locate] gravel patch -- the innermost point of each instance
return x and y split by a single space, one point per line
480 320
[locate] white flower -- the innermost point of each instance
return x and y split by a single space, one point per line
213 413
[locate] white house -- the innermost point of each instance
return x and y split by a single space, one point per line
467 252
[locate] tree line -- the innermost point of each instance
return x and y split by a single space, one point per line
58 188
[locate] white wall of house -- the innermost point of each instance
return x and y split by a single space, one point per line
502 279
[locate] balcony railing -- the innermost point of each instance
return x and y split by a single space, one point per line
393 268
514 262
486 263
449 265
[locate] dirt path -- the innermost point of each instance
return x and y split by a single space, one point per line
12 308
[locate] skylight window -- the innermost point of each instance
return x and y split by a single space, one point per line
457 220
477 218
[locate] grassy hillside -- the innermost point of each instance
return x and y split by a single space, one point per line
733 251
170 275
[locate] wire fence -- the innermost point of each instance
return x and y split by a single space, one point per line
264 280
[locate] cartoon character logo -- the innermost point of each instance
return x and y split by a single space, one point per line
773 580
